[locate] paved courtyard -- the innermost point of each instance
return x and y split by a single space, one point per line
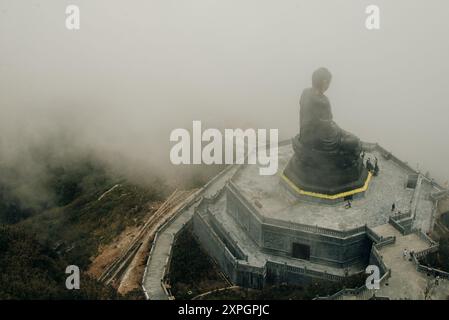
273 201
405 281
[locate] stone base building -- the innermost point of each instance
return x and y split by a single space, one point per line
261 229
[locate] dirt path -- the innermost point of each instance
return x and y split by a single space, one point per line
107 254
132 277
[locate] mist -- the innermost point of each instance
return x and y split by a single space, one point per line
137 70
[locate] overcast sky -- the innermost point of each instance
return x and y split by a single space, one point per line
138 69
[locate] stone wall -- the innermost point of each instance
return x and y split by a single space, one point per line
216 248
328 247
239 271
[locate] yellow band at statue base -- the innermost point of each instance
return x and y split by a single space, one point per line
328 196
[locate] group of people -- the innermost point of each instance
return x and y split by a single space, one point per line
407 255
370 166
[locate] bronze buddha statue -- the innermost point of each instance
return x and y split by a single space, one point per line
327 158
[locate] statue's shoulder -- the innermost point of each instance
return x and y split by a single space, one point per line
306 96
307 92
309 96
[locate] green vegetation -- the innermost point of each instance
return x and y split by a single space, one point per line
52 217
191 270
76 221
11 210
58 205
30 270
78 228
308 291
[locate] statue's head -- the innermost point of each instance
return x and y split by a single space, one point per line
321 79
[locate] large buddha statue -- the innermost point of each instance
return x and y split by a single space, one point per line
327 158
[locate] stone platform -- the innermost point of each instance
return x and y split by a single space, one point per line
259 232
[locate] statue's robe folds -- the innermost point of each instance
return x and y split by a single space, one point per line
317 128
327 158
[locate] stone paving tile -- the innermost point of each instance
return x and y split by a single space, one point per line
405 281
373 209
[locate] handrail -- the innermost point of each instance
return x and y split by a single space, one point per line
188 202
376 254
422 268
397 226
385 242
426 238
307 228
303 270
402 216
219 227
373 235
362 290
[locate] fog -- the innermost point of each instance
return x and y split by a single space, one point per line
138 69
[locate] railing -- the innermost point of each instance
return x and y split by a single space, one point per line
397 226
228 256
361 292
385 277
401 216
373 235
220 230
380 241
379 259
438 195
425 269
433 271
394 158
385 242
193 198
433 246
297 226
167 265
302 270
426 238
247 268
425 252
416 195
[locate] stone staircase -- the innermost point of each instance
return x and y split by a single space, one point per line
402 222
406 282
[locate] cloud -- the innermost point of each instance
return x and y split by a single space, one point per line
134 72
